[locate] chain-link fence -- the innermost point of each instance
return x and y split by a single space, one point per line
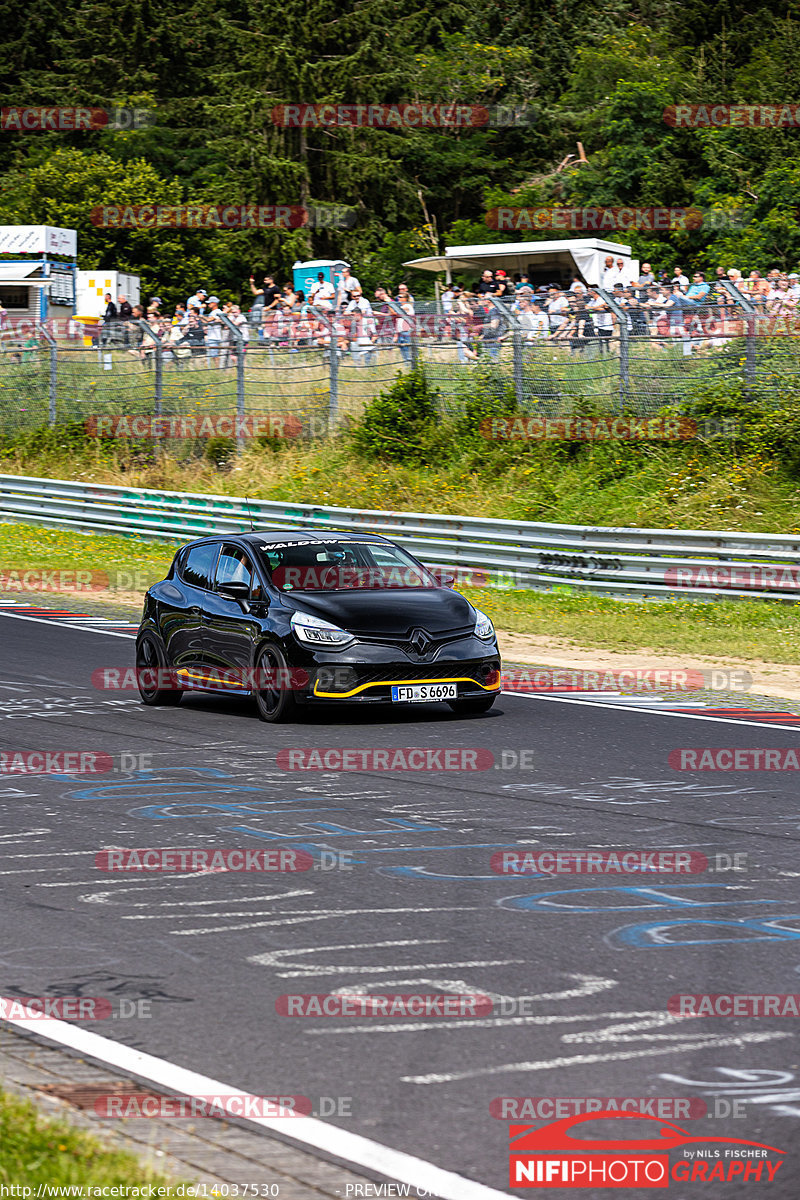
302 374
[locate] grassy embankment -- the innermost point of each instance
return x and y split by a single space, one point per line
683 486
39 1151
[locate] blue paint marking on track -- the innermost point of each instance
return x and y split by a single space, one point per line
652 897
649 935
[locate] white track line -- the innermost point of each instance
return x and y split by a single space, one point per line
634 707
354 1149
57 623
659 712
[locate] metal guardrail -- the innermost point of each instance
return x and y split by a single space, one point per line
617 561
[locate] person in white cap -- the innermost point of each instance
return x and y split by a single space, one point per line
214 331
347 285
322 293
197 301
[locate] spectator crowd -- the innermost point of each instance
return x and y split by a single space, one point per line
280 319
337 317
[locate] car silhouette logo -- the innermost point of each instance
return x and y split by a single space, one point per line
557 1136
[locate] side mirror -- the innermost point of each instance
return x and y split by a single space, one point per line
236 590
443 579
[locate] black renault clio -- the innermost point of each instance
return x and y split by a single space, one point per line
299 617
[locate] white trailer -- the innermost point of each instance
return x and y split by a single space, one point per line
93 285
553 262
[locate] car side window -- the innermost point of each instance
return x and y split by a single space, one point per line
197 568
235 566
383 558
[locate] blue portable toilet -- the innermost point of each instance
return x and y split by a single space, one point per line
304 274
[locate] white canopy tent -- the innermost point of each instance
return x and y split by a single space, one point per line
15 272
555 262
45 279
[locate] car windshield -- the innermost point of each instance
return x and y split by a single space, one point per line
322 566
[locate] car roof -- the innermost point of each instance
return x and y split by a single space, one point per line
311 535
260 537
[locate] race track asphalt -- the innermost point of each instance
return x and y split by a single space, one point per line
420 909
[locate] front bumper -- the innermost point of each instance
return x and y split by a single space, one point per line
365 673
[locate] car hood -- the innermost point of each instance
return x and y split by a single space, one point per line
392 612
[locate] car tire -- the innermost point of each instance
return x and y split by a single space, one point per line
468 708
150 655
274 704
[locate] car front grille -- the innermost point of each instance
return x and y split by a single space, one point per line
442 638
475 669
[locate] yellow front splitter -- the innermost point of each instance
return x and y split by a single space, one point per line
362 687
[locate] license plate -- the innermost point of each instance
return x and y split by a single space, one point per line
424 691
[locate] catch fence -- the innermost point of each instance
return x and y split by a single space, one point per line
629 352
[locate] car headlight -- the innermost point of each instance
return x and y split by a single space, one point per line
316 632
483 626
